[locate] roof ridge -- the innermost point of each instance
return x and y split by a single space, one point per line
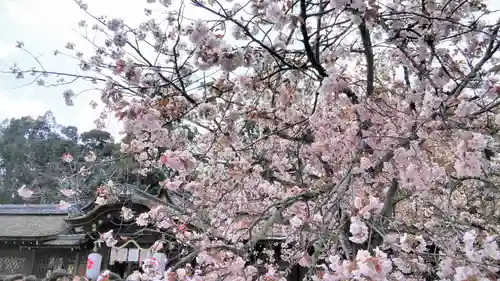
25 209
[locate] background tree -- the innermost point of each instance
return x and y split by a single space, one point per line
31 152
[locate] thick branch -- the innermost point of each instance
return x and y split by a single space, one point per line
196 252
386 212
269 223
368 51
307 46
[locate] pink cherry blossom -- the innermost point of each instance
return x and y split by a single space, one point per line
100 200
25 192
67 157
68 192
358 230
173 185
63 205
127 214
90 157
108 238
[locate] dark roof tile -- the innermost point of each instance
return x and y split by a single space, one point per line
16 226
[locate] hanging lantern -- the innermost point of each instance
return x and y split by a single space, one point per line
161 261
93 266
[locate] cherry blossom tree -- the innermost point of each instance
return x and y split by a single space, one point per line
363 134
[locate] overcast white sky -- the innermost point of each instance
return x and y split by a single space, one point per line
46 25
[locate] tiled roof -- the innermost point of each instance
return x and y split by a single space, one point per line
26 226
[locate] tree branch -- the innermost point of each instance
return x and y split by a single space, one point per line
307 46
368 51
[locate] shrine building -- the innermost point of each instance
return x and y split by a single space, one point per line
36 239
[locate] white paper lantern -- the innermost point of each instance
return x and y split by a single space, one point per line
161 261
93 266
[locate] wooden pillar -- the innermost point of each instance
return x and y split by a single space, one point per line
129 270
105 257
32 262
82 262
73 266
77 262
